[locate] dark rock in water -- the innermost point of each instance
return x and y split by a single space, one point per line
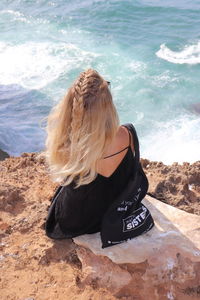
3 155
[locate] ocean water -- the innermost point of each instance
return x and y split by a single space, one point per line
148 49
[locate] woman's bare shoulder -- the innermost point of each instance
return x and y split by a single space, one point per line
121 141
124 136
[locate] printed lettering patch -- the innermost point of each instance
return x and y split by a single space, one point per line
136 220
133 199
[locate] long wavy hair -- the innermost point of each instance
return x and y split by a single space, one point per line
79 128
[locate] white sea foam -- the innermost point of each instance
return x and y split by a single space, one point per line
34 65
164 79
137 66
15 15
173 141
189 55
11 12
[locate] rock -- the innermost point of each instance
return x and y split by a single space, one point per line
101 272
11 199
3 155
60 251
161 264
177 185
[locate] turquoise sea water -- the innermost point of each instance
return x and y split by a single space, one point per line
149 50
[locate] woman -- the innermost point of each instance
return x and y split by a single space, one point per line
90 153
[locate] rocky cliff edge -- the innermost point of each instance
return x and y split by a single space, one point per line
162 264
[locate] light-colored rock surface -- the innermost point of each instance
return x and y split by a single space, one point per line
161 264
174 231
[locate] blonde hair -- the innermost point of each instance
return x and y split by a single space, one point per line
79 128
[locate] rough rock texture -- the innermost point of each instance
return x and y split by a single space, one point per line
177 185
31 265
35 267
168 257
177 278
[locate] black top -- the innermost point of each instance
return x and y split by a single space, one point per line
111 205
81 209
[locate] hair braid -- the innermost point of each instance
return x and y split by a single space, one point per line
77 111
85 91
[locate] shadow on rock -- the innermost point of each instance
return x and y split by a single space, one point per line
11 199
61 251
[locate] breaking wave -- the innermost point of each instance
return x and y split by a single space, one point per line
33 65
189 55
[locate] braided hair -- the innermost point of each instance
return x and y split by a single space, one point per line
85 91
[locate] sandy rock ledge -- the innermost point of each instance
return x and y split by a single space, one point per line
160 265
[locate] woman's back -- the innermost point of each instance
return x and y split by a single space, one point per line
82 209
115 153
